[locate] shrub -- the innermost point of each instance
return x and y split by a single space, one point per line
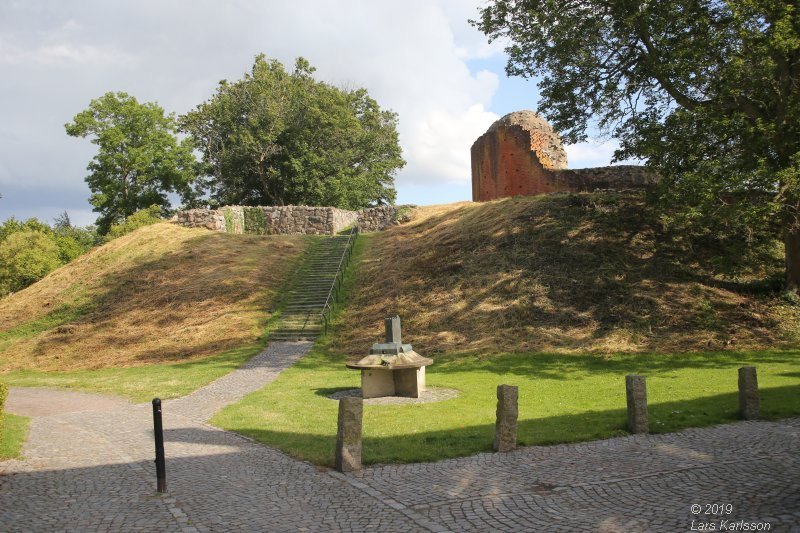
26 257
254 221
230 227
73 242
143 217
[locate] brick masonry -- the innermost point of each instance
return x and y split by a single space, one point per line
520 154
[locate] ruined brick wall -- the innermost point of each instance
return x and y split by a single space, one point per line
516 156
520 154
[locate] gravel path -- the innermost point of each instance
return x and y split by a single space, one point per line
257 372
92 470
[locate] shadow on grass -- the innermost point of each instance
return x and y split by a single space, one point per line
326 392
559 366
778 402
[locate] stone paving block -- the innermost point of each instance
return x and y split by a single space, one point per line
636 393
348 434
505 429
749 402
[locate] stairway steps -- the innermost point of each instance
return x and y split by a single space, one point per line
301 317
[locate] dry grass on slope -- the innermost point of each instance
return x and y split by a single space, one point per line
160 294
563 272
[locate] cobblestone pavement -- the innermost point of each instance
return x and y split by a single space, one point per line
93 471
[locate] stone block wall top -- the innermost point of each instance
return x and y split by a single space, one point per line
292 219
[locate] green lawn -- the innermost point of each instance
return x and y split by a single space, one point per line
15 429
141 383
563 398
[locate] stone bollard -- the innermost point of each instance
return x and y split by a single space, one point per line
749 403
505 429
348 435
636 392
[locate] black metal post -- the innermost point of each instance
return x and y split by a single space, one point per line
158 430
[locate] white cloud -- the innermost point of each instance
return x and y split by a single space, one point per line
441 145
594 153
590 153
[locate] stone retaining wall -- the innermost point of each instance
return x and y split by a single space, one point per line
201 218
380 218
270 220
292 219
599 178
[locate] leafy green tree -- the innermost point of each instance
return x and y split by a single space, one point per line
143 217
705 91
72 242
20 267
276 138
12 225
139 159
25 257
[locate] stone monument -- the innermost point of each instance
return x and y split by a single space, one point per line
392 368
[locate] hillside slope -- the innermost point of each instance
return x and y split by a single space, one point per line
160 294
564 272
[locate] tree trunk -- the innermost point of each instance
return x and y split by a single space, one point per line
791 241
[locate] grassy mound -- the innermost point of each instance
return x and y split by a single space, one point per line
162 294
558 273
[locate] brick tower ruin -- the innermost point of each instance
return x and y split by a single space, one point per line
520 154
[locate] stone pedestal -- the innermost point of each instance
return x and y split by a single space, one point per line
749 402
505 429
636 392
348 435
409 382
379 382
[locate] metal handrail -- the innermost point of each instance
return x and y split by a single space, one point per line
344 261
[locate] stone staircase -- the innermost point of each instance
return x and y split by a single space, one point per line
302 317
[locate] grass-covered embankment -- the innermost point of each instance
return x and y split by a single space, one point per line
162 294
140 383
564 273
159 312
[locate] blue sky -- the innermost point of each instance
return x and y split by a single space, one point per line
420 58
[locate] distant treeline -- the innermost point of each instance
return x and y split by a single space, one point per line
32 249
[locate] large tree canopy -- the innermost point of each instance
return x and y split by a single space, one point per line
276 138
706 91
139 159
